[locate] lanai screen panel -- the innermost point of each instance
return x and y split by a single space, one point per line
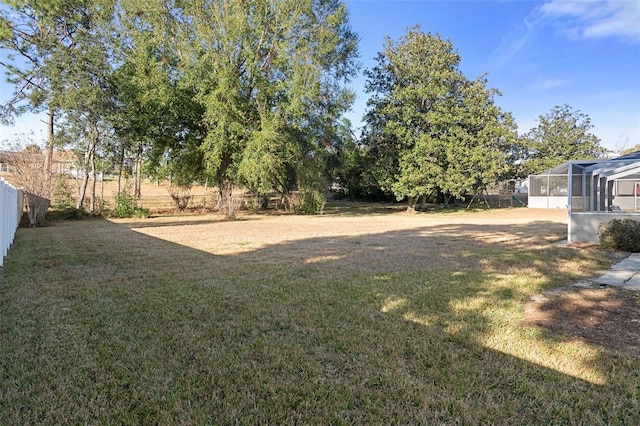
552 183
580 189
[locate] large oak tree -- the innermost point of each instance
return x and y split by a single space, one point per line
433 132
270 76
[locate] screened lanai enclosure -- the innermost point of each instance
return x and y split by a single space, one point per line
596 192
596 185
605 186
593 192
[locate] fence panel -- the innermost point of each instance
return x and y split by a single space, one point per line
10 212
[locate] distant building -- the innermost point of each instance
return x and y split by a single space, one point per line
64 162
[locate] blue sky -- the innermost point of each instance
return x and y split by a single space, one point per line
537 53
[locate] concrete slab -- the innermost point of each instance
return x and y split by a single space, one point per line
615 278
628 264
633 283
636 259
625 273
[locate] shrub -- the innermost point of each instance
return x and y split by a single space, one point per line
63 198
310 202
70 213
64 203
181 195
127 206
623 234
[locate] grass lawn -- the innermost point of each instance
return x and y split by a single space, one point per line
346 318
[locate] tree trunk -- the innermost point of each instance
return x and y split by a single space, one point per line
225 192
94 141
93 183
137 191
120 169
411 204
423 199
225 186
36 208
48 157
83 190
472 200
88 159
102 192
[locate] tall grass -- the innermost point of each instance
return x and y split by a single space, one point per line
417 325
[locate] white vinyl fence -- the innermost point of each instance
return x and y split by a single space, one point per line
11 204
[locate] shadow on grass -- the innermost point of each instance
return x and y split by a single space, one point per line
156 221
104 324
603 316
356 208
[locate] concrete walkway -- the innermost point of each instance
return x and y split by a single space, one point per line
625 274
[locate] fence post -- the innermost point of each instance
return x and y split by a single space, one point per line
10 213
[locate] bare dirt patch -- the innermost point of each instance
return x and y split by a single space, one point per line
607 316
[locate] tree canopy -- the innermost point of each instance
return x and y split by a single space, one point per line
561 135
630 150
251 94
243 92
269 76
433 131
59 59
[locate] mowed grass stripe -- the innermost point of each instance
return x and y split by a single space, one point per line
391 320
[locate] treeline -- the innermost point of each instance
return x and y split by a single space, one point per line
251 94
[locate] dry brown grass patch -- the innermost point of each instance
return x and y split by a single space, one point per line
345 318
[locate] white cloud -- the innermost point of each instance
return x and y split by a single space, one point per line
548 84
559 8
596 19
520 37
576 20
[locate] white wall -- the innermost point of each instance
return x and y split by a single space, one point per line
583 227
547 202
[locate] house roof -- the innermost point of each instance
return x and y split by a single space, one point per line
616 168
624 165
631 156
